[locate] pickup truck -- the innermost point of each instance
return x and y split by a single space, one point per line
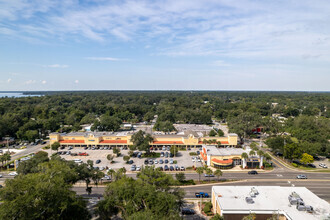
202 194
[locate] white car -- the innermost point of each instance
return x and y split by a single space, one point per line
106 177
13 173
138 168
102 168
0 176
156 161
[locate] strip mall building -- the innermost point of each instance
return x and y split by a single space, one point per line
98 139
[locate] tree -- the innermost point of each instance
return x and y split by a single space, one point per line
110 157
218 173
31 166
142 141
116 151
267 157
212 133
217 217
204 141
209 172
220 133
111 173
6 157
292 151
199 170
41 196
180 177
252 153
253 146
252 216
245 155
55 146
260 153
174 150
142 198
126 158
306 158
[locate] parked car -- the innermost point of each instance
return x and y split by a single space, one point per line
146 161
166 160
138 168
168 148
171 168
130 162
98 161
206 175
186 211
0 176
162 154
177 168
133 168
156 161
166 168
166 154
151 162
182 168
164 148
253 172
171 161
202 194
311 165
139 155
161 161
106 177
13 173
301 176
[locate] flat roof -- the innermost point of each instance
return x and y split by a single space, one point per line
270 199
227 151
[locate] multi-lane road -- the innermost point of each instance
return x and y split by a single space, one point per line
319 183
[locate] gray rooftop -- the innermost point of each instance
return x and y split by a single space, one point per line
213 150
271 199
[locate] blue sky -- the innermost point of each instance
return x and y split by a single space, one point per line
165 45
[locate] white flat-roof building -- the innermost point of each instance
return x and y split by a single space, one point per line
235 202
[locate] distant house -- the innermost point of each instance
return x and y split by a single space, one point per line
86 127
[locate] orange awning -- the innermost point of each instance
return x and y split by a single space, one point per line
230 161
222 142
72 142
167 142
113 142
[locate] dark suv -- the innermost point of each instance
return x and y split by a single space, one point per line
146 161
253 172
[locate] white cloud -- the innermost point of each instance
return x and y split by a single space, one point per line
76 81
105 58
29 82
43 82
9 80
57 66
220 63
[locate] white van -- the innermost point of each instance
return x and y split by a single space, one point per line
77 160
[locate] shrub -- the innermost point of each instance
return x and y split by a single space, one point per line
207 207
294 164
46 147
193 154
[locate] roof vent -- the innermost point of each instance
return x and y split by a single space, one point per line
249 200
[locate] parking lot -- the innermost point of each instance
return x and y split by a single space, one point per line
182 159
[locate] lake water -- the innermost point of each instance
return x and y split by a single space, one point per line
14 95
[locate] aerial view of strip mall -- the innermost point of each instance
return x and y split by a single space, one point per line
164 110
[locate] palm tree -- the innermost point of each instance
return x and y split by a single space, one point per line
245 155
218 173
267 157
199 170
204 141
209 172
111 173
219 143
252 152
260 153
